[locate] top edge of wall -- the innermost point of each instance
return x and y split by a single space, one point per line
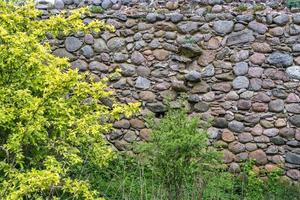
237 6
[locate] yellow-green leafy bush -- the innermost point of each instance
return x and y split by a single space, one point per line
51 118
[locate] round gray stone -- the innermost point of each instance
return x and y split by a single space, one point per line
72 44
293 72
240 82
280 59
223 27
240 68
236 126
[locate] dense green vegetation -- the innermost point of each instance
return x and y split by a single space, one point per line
181 168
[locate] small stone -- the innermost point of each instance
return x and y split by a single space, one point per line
280 59
89 39
236 126
223 27
293 158
213 133
142 83
220 122
228 157
116 44
240 82
100 46
179 86
145 134
279 93
258 27
241 37
59 4
130 136
97 66
147 96
295 120
227 136
123 123
244 104
106 4
261 47
261 97
236 147
240 68
137 58
61 52
245 137
293 174
296 47
266 123
121 145
255 84
238 56
72 44
213 43
261 139
251 146
257 130
201 107
286 132
272 132
259 107
257 58
120 57
87 51
137 123
208 71
156 107
176 17
260 157
255 72
81 65
232 96
272 150
187 27
193 76
172 5
296 18
206 58
276 105
280 123
224 87
161 54
293 72
277 31
234 168
293 108
127 69
281 19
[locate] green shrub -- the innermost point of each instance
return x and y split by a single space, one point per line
49 115
178 152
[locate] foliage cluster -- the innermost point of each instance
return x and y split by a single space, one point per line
51 119
176 163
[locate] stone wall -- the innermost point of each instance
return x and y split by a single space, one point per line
240 69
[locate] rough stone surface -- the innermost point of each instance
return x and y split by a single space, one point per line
72 44
240 70
293 72
240 82
280 59
223 27
260 157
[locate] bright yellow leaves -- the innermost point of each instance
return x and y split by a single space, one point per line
51 119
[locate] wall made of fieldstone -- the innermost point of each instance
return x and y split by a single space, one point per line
241 69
